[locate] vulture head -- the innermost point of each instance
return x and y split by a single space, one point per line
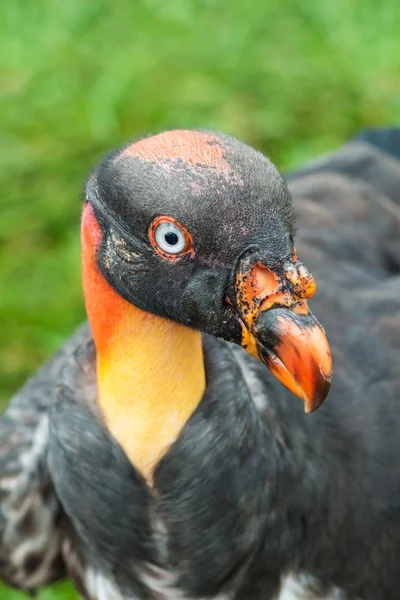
197 228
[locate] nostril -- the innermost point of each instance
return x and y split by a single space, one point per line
264 281
254 284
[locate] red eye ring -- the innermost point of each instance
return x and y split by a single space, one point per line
183 244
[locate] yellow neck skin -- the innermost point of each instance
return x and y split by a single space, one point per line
150 371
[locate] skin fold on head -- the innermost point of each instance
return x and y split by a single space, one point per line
187 232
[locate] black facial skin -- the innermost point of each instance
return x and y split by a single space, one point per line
247 205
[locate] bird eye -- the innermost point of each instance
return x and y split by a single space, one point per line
169 238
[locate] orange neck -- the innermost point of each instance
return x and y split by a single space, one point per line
150 371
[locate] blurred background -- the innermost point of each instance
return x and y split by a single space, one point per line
294 78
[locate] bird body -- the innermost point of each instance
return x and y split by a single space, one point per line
148 460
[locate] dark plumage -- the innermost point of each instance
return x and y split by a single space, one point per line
253 489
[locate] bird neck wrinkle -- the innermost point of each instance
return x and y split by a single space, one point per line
150 371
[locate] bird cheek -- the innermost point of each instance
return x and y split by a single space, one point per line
202 301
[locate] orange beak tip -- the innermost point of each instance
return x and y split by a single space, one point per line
311 404
300 359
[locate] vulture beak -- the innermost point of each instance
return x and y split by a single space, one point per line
278 328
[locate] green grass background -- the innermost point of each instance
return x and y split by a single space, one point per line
293 77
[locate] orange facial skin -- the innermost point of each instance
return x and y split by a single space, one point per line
277 303
189 147
150 371
261 288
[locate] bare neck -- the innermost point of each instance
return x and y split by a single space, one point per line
150 371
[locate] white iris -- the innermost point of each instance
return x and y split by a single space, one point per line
170 238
